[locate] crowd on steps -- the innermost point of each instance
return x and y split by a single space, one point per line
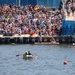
40 20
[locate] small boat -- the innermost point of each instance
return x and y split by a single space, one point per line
27 57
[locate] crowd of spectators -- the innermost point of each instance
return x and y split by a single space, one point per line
31 20
70 7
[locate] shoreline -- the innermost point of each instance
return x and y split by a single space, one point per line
27 39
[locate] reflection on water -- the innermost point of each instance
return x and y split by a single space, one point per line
49 62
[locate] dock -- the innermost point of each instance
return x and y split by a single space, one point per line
36 39
46 43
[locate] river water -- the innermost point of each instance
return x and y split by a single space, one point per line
49 60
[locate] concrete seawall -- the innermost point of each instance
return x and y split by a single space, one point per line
27 39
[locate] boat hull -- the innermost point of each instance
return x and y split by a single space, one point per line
27 56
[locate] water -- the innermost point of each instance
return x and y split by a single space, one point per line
49 62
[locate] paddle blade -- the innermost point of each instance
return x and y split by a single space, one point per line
17 55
